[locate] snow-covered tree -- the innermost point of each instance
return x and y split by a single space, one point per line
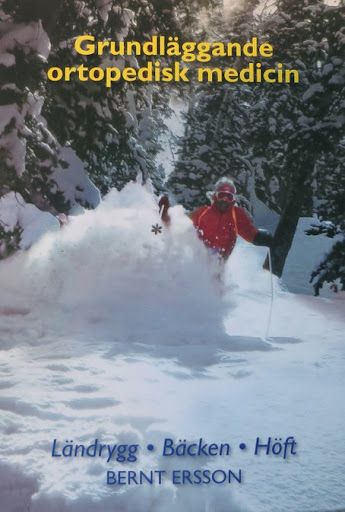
28 148
104 126
331 219
218 120
297 125
213 145
115 133
272 137
29 152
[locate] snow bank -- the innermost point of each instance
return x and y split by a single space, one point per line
14 211
108 268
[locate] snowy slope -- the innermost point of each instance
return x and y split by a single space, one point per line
109 331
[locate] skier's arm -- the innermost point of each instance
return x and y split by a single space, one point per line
164 205
244 225
249 232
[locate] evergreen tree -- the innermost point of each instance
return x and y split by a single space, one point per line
28 150
299 124
115 132
331 213
216 142
213 145
273 136
99 123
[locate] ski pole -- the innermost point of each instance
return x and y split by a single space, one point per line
269 322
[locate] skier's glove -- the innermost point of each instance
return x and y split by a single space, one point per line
164 205
263 238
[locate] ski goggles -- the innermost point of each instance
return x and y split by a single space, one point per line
225 196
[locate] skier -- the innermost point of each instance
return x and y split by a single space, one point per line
219 224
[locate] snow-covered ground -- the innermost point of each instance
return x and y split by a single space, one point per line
108 331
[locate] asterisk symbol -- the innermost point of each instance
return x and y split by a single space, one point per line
157 229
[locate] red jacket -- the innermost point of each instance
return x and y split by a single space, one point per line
219 230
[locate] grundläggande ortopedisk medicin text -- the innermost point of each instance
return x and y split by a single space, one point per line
166 49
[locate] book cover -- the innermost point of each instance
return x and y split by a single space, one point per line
172 255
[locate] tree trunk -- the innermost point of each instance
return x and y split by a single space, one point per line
285 232
303 151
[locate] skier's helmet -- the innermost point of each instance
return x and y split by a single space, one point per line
225 190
